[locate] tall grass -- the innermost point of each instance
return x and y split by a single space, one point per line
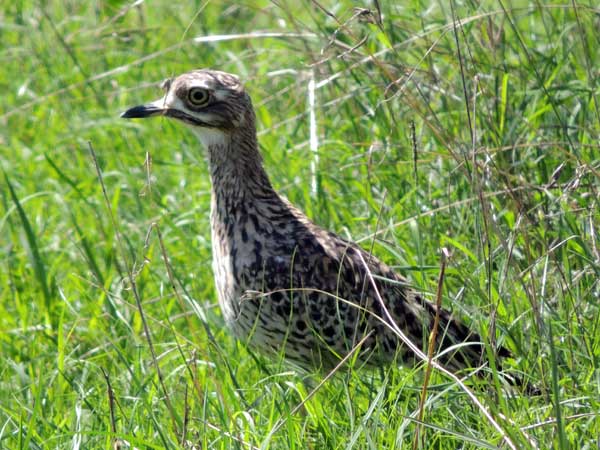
468 126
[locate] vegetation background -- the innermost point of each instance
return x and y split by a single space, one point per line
409 126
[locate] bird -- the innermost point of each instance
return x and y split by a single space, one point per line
284 284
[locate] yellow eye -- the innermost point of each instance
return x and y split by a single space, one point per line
198 96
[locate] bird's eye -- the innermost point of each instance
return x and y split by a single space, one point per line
198 96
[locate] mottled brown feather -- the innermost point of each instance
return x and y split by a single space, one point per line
284 284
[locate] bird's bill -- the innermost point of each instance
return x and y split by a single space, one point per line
151 109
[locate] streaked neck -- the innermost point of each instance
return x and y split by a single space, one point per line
236 169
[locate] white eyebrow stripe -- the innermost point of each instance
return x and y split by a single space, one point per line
199 84
220 95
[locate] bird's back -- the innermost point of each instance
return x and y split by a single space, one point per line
294 288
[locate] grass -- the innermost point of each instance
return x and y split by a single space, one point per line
479 136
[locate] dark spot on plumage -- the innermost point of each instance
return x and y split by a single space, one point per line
315 298
284 308
390 275
399 308
315 315
317 248
277 265
253 268
230 231
277 297
234 266
415 328
330 307
376 307
301 325
297 334
503 352
257 251
352 313
350 276
342 306
226 221
299 305
329 332
387 346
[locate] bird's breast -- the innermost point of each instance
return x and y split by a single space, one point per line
247 260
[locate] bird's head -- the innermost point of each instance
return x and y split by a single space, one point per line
214 104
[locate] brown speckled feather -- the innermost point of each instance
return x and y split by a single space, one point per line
284 284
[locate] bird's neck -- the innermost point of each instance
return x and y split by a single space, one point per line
239 180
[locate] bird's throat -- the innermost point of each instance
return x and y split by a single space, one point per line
239 180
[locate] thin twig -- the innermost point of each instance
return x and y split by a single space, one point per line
111 402
417 351
133 285
431 348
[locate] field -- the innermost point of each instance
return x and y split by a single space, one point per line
417 128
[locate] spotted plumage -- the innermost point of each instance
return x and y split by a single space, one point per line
284 284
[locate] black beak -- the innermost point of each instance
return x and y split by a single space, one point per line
141 111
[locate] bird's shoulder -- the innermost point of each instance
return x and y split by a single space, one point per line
324 256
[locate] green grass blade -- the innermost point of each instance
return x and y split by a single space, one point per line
35 257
